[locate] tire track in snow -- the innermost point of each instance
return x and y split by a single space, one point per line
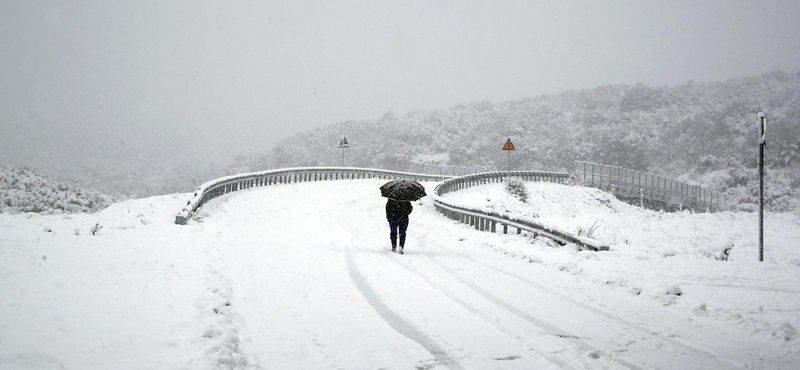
547 327
484 316
402 326
702 352
394 320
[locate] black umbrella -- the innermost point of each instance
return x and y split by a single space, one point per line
403 190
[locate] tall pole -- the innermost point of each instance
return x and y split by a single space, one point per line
509 160
761 144
342 156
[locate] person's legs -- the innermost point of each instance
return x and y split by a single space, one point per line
403 226
393 225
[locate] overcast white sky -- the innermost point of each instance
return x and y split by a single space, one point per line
248 73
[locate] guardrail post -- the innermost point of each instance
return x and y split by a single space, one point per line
505 229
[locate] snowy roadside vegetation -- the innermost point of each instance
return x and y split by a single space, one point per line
24 190
703 133
704 264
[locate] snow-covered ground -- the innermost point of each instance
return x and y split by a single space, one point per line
300 276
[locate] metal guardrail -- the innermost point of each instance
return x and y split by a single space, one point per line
482 220
487 221
641 185
229 184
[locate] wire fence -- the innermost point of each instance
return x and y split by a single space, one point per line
632 184
446 170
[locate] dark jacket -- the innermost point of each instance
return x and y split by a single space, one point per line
396 211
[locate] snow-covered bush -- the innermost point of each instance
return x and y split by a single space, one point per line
95 229
707 163
673 290
24 190
719 252
589 232
516 187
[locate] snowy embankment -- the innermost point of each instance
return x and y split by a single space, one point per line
705 264
116 299
300 276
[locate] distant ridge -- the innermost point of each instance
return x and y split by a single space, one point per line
687 131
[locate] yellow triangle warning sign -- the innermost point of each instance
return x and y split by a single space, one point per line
509 145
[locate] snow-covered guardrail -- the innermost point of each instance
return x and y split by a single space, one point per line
229 184
486 220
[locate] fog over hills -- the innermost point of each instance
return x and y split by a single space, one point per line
703 132
664 129
146 98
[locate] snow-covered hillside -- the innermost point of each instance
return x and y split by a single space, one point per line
24 190
300 276
703 133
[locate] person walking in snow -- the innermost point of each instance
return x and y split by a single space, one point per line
397 214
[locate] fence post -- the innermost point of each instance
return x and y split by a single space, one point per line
624 179
640 180
584 172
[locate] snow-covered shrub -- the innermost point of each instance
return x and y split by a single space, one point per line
589 232
707 163
24 190
673 290
719 252
95 228
516 187
786 332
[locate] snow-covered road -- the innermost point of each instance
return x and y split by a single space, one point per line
301 277
319 288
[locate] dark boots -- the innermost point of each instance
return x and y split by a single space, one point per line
394 243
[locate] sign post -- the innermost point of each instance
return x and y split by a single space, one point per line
762 144
344 145
509 147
